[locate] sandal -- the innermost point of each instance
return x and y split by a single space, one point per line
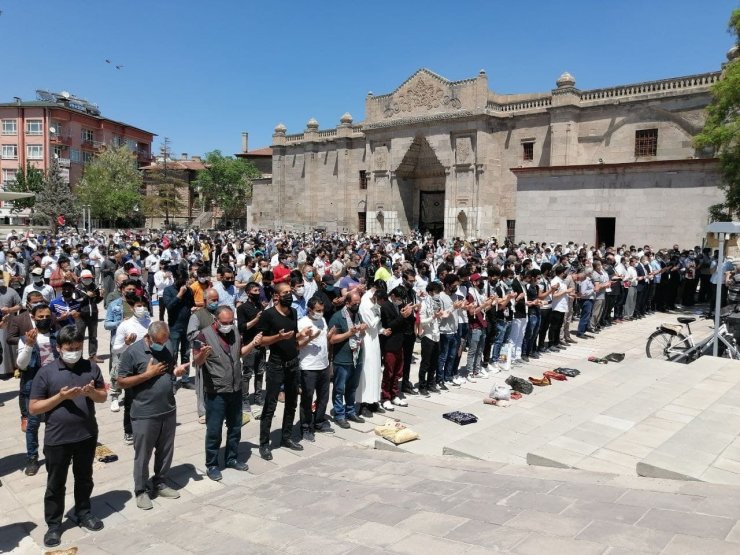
598 360
543 381
555 376
570 372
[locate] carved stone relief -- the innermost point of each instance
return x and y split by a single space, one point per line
423 94
463 150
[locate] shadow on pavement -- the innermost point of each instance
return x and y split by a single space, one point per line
12 534
105 504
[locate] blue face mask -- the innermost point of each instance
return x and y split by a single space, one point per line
309 275
157 347
212 307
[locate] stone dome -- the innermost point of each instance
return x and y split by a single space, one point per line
346 118
566 80
312 124
280 128
732 53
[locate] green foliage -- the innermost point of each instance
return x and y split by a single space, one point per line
163 198
111 184
228 182
722 130
28 180
55 198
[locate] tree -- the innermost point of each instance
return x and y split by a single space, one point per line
55 198
722 130
111 184
28 180
228 182
163 198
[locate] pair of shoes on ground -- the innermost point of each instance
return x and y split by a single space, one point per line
391 405
144 498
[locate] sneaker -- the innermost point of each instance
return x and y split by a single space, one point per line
458 380
114 406
482 374
400 402
214 473
165 491
423 392
308 435
128 439
387 405
442 386
237 465
469 379
342 423
433 389
32 466
143 501
201 420
257 411
494 370
356 419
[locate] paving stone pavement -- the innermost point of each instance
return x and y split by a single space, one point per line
358 500
264 510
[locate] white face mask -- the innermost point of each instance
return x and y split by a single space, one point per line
141 312
225 328
87 281
37 279
316 315
299 291
71 357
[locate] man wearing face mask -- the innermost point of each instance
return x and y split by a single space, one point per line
37 284
253 364
131 330
13 273
299 298
279 327
90 295
65 391
199 320
66 307
146 371
409 332
228 294
309 283
347 348
200 285
217 350
36 348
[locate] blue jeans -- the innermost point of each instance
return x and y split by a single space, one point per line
530 334
503 327
346 380
448 344
33 423
179 342
222 407
587 306
475 351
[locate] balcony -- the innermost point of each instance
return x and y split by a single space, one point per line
58 139
88 144
144 157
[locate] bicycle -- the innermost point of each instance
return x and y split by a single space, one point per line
668 342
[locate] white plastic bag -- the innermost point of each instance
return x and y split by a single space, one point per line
500 392
506 355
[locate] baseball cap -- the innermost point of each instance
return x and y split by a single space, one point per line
37 272
475 277
134 271
86 274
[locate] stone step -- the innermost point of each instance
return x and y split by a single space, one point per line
707 446
509 434
620 436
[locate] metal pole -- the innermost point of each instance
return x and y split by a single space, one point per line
718 292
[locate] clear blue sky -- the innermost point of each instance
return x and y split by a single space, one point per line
201 72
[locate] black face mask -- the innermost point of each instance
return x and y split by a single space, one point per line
286 300
227 283
254 297
353 309
43 325
66 293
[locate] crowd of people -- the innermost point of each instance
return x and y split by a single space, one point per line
315 321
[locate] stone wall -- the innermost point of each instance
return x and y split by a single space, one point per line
658 204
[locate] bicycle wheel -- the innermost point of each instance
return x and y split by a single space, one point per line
659 343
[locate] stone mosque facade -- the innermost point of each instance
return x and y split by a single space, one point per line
456 159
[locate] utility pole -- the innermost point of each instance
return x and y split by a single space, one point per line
165 150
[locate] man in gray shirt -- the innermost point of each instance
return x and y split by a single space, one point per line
145 371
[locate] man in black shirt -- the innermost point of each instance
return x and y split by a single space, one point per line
146 370
65 391
279 327
409 333
248 315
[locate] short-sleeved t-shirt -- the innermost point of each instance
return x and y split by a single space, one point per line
342 351
72 420
153 397
271 322
315 355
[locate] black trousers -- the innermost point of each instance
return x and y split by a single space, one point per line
544 326
408 352
314 382
58 459
609 302
429 362
641 303
490 337
556 323
89 323
276 376
253 364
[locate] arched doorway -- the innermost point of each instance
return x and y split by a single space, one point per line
421 185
